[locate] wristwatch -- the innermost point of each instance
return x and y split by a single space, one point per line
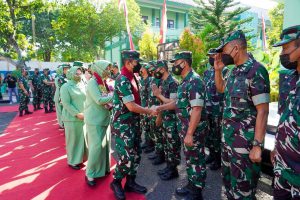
257 143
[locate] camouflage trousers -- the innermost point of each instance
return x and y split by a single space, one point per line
195 159
48 98
37 97
172 145
24 101
145 127
128 146
213 135
286 181
157 136
240 175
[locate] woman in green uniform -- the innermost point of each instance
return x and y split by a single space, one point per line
72 96
97 118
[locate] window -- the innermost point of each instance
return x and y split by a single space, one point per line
157 22
171 24
145 19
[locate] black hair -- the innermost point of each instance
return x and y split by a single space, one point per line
189 61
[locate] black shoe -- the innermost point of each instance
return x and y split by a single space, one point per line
46 110
39 108
51 110
210 158
21 113
149 149
27 112
159 159
195 194
90 183
132 186
152 156
217 163
61 128
164 170
76 167
170 174
183 191
116 187
34 108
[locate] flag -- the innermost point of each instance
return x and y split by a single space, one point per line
122 3
264 37
163 25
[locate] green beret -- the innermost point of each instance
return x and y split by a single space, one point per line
235 35
182 55
131 54
288 35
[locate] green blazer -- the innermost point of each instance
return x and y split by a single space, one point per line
72 96
94 111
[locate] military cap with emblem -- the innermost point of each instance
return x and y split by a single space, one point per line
211 52
288 35
182 55
235 35
161 63
131 54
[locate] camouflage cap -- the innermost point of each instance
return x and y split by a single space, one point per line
78 64
235 35
146 66
162 63
182 55
131 54
288 35
211 52
66 65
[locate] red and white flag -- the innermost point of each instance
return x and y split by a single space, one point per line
264 37
122 3
163 26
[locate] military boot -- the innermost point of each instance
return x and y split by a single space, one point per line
34 107
210 158
46 110
39 107
170 174
21 113
51 110
116 187
164 170
194 194
27 112
159 159
217 162
183 191
132 186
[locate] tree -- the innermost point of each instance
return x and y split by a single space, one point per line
148 45
214 15
82 28
190 42
13 42
276 18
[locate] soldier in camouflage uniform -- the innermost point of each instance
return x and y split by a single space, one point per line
37 91
144 93
156 122
47 91
60 79
214 111
247 97
172 147
191 124
114 71
24 93
126 126
287 146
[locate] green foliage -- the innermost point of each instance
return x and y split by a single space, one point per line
148 45
276 18
190 42
213 19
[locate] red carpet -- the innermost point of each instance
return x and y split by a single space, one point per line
33 163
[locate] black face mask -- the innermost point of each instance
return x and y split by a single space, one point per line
177 69
137 68
158 75
286 62
211 61
227 59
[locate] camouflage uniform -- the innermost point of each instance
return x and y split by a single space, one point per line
214 110
24 100
47 93
191 93
156 132
37 83
173 145
145 120
287 158
126 129
247 86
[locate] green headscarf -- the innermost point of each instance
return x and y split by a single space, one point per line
71 74
100 66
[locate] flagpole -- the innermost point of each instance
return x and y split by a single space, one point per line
127 22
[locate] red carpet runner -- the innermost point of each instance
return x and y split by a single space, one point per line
33 163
